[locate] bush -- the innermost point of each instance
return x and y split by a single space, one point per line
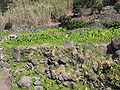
111 24
98 7
117 7
72 24
64 19
109 2
82 4
8 26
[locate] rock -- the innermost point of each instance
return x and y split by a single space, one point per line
25 82
16 54
60 78
95 67
38 88
108 10
116 43
58 82
73 85
36 78
118 52
66 84
50 74
79 73
63 60
33 62
68 43
1 53
53 75
2 64
65 76
29 66
37 83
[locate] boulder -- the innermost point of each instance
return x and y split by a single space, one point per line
38 88
116 43
73 85
68 43
16 54
25 82
63 60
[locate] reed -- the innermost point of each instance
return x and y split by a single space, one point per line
39 12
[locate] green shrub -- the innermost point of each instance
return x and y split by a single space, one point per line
73 24
64 19
4 5
77 4
117 7
111 24
8 26
109 2
98 7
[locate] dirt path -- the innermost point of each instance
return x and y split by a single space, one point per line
4 83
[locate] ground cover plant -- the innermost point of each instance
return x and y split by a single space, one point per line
58 36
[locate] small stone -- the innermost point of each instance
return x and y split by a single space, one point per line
2 64
65 76
60 78
79 73
73 85
68 43
36 83
118 52
66 83
38 88
33 62
36 78
63 60
95 67
58 82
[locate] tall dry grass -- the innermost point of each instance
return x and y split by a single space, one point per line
24 12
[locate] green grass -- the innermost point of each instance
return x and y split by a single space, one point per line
3 33
57 39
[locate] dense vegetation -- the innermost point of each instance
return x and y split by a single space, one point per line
57 36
